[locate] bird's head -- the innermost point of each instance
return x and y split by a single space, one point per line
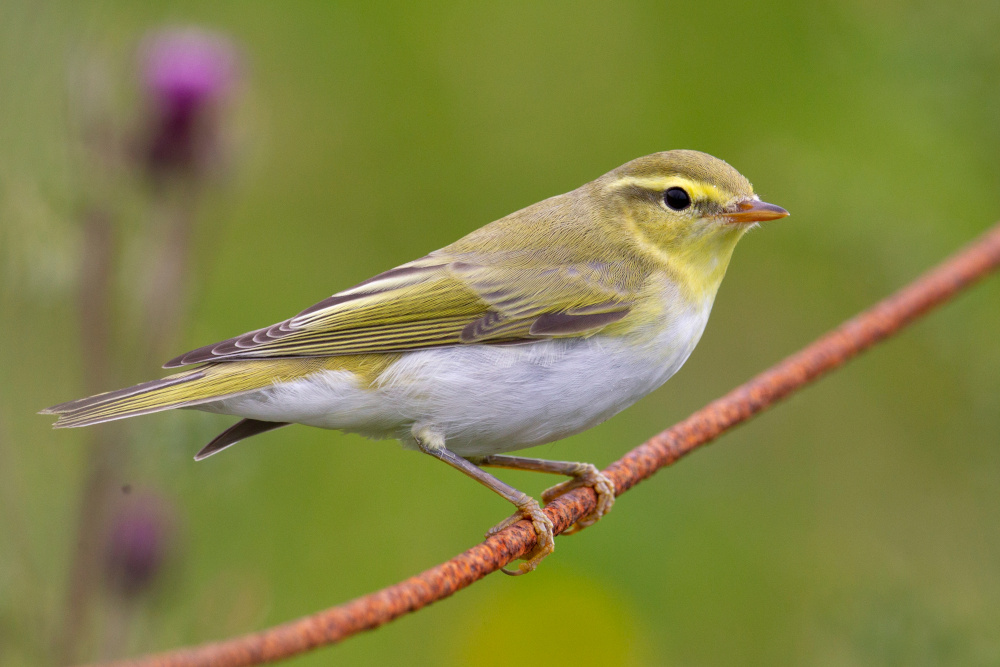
685 209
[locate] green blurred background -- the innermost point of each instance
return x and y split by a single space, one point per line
856 524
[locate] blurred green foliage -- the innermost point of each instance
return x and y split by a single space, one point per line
856 524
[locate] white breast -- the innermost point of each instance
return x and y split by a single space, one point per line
488 399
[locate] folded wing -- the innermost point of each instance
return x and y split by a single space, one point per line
441 300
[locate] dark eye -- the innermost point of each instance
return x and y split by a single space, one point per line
677 198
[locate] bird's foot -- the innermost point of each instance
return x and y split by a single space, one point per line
529 509
587 475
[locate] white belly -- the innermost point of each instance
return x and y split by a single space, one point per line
484 399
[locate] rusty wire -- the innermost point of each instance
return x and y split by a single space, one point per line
827 353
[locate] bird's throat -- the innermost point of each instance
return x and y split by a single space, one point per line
696 263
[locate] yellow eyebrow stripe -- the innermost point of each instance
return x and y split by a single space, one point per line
696 189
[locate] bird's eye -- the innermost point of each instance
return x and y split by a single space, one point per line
677 198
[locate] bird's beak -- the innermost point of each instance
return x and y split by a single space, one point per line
753 210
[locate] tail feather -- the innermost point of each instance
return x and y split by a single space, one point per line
119 394
170 392
241 430
197 386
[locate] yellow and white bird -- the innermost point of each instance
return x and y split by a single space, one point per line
533 328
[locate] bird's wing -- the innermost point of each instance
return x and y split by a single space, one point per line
442 300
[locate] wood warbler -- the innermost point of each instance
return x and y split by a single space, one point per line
533 328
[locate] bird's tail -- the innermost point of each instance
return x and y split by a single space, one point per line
190 388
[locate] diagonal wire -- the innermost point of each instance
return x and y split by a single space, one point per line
825 354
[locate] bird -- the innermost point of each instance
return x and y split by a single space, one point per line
530 329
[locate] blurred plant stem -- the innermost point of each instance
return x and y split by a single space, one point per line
165 296
161 314
104 458
96 298
186 76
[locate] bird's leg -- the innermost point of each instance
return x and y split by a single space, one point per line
527 507
581 474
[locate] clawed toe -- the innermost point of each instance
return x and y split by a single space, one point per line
588 476
545 543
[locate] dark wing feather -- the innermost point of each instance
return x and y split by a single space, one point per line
568 324
241 430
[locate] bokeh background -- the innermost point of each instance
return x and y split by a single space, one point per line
856 524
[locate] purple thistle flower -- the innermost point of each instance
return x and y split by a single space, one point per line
187 73
137 544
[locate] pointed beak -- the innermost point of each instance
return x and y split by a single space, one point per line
753 210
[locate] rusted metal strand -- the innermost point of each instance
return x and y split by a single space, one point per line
829 352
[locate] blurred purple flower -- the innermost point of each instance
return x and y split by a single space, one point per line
138 541
187 73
